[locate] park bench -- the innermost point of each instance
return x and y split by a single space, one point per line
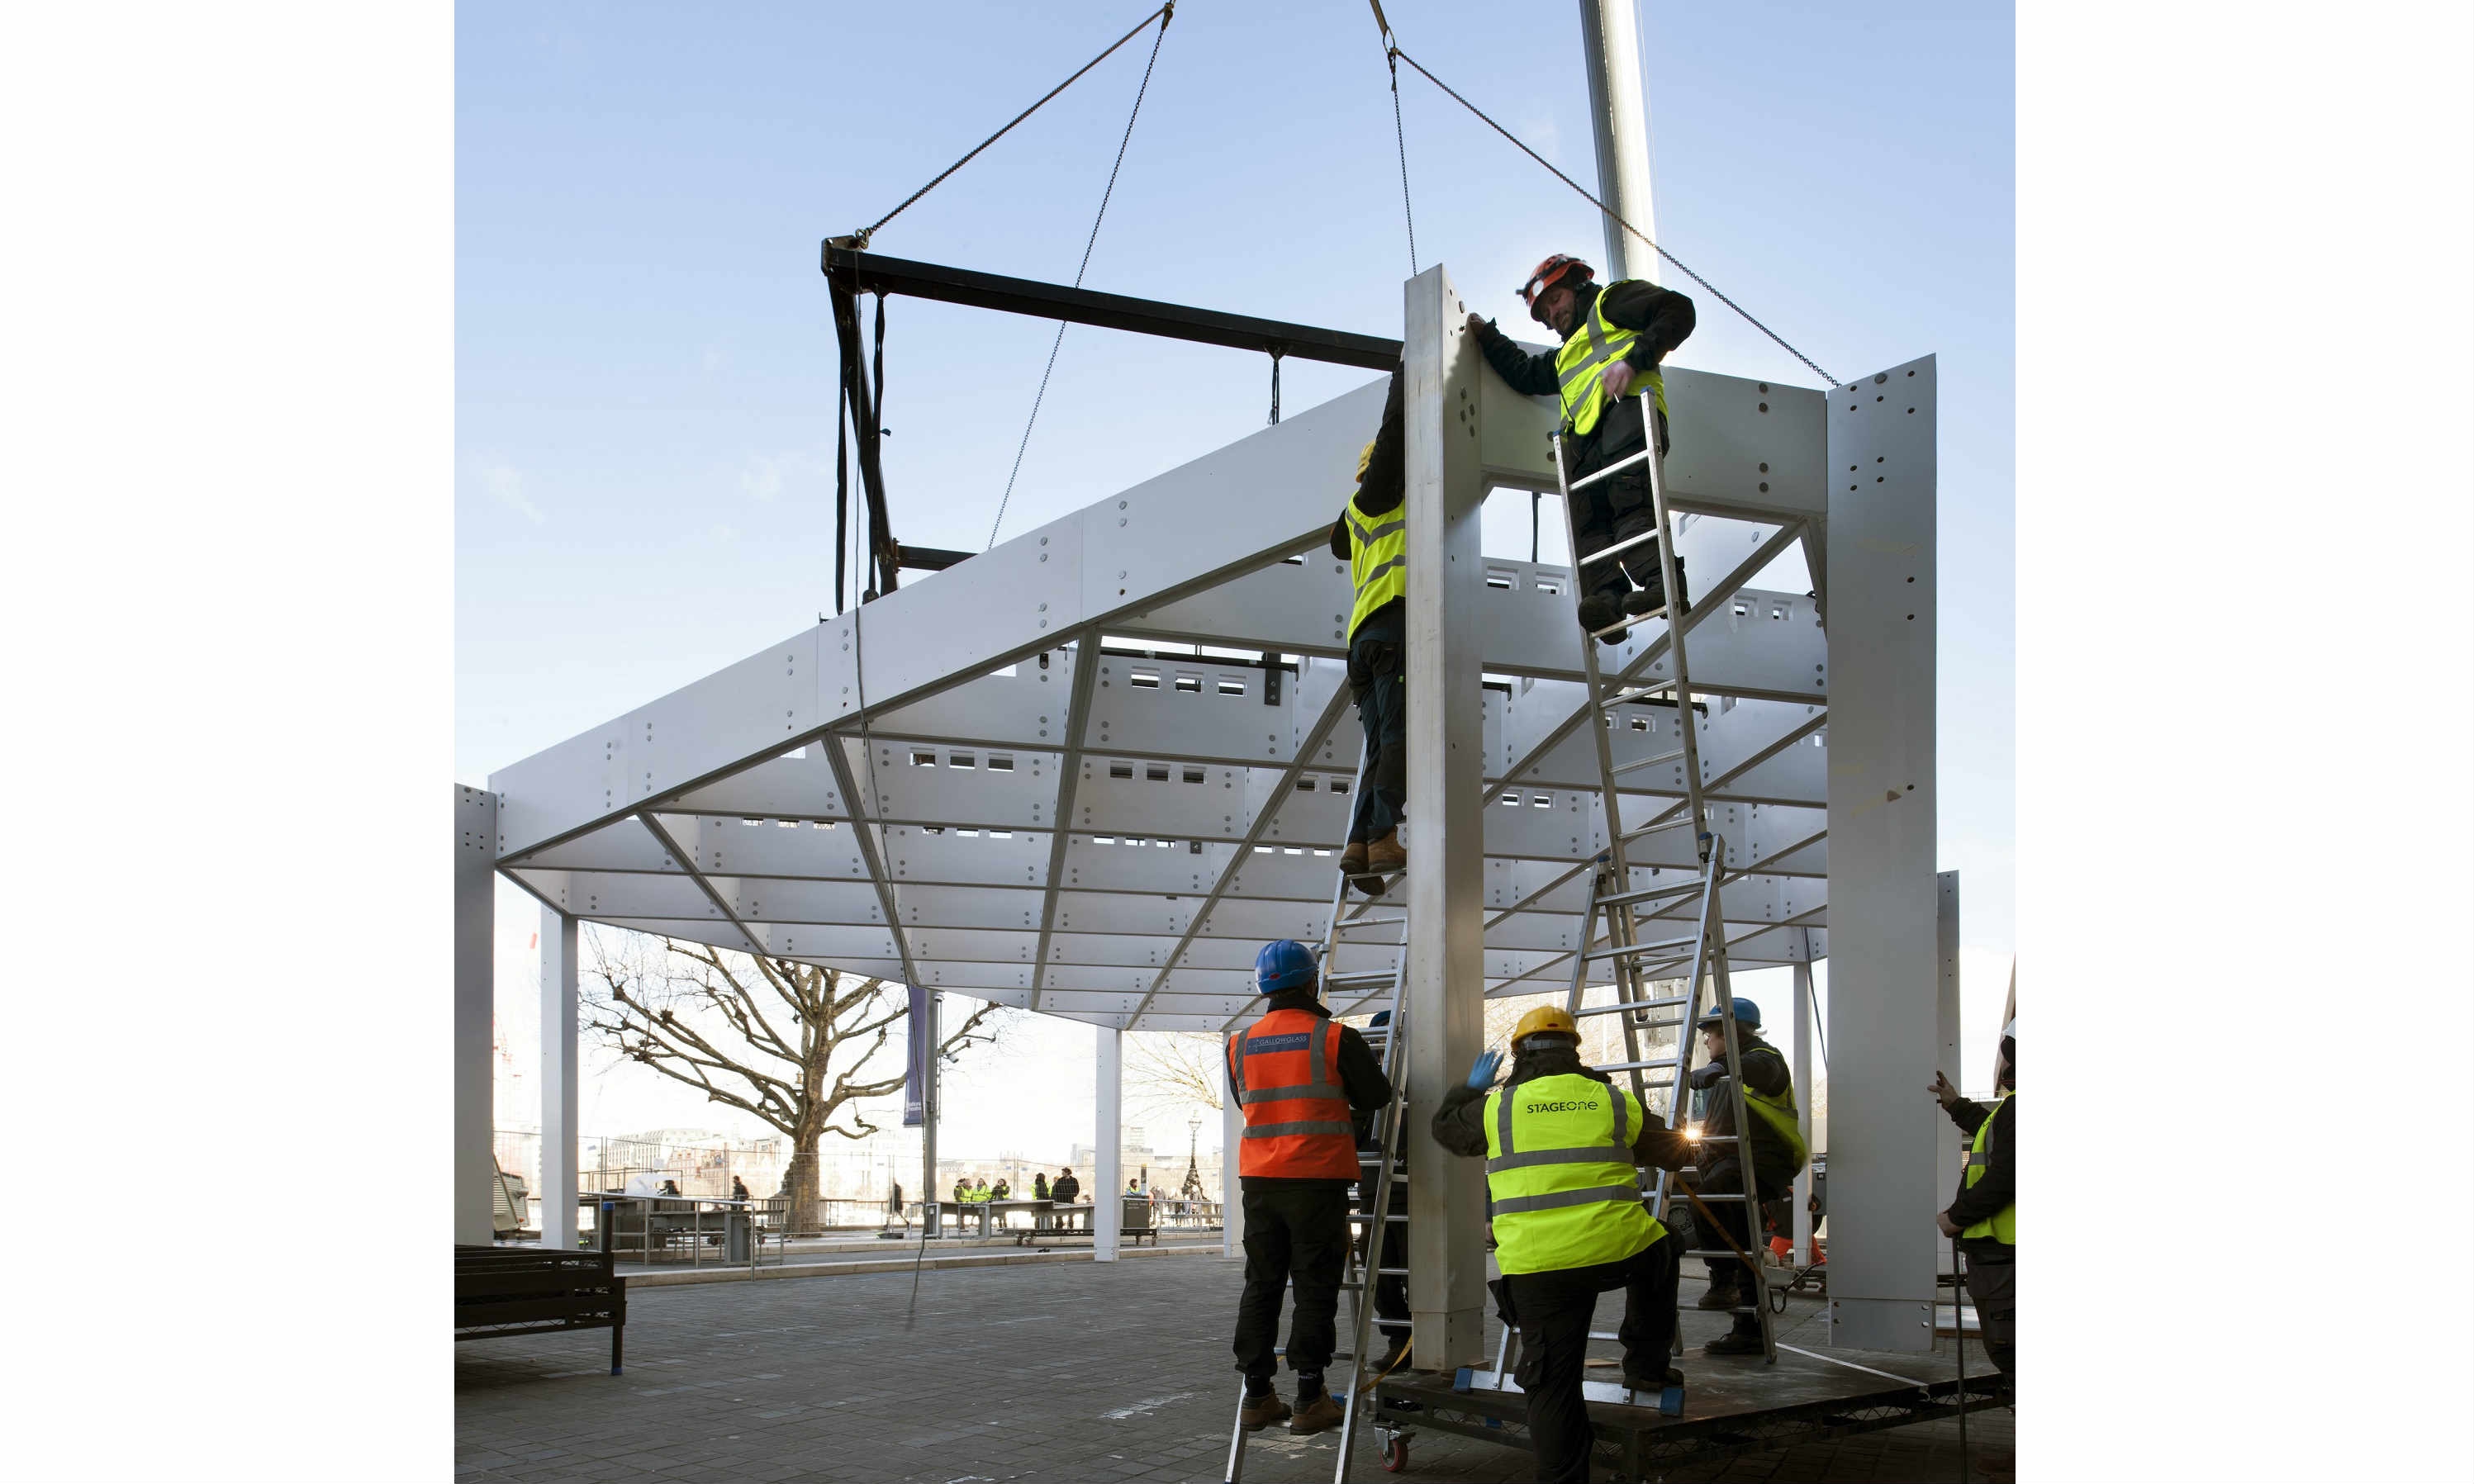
538 1290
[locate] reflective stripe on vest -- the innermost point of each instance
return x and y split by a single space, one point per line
1594 345
1378 560
1286 1069
1560 1173
2002 1226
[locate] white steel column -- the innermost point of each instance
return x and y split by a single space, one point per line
1884 999
1108 1181
1804 1093
1948 1147
932 1101
1445 887
1232 1195
477 852
558 1073
1619 127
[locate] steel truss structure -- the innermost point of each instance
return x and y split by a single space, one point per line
1046 775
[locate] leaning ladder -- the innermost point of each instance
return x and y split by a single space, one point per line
1617 910
1365 1264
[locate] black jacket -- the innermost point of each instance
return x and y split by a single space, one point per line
1361 1075
1765 1072
1460 1123
1664 319
1065 1188
1984 1200
1379 493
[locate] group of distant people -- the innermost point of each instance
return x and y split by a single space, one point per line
971 1190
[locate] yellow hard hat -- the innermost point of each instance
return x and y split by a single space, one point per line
1545 1017
1365 456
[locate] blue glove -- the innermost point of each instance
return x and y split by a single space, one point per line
1482 1070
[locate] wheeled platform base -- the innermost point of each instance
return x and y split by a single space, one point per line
1643 1443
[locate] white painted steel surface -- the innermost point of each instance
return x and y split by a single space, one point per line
1884 998
477 843
560 1157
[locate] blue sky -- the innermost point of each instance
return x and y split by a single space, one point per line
645 367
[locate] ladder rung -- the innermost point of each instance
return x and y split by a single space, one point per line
1641 693
1715 1252
1637 1066
1721 1195
1391 1271
1682 822
1365 976
1632 1004
1605 553
1363 1216
1641 948
1617 467
1369 923
1648 893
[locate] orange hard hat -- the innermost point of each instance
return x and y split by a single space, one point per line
1551 273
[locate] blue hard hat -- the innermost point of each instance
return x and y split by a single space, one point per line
1285 965
1747 1014
1382 1017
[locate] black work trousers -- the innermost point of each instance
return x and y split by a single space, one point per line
1296 1231
1992 1287
1381 691
1554 1310
1618 509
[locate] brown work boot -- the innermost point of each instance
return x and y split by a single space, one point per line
1316 1415
1384 856
1262 1411
1352 860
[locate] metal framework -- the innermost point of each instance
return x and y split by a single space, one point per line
1121 760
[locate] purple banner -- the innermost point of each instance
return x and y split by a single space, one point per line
923 1041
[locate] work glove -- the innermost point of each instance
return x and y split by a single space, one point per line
1482 1070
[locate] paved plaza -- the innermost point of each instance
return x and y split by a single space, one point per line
1065 1370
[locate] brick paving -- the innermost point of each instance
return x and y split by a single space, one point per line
1073 1371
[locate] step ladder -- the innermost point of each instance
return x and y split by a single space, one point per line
1626 928
1349 993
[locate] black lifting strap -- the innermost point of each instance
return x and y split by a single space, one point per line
1275 388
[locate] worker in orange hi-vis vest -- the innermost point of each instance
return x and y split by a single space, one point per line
1296 1075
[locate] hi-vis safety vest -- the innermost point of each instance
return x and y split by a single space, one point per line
1779 1113
1593 345
2003 1226
1560 1172
1286 1067
1378 557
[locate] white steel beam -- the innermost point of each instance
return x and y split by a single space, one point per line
1108 1181
1443 1001
475 1164
559 1071
1883 1002
1069 770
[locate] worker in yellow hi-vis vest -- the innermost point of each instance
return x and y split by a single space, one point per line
1779 1156
1372 536
1601 376
1562 1144
1985 1216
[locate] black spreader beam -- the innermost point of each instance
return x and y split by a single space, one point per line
869 274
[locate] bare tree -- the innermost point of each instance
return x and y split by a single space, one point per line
1176 1067
795 1044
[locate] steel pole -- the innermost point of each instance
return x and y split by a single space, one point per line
1619 129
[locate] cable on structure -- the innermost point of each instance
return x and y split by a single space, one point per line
861 238
1165 14
1400 135
1394 50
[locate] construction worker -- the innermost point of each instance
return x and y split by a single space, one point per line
1372 537
1613 338
1561 1142
1777 1157
1039 1185
1297 1075
1985 1216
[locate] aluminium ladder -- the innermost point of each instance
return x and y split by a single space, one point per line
1616 908
1365 1268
